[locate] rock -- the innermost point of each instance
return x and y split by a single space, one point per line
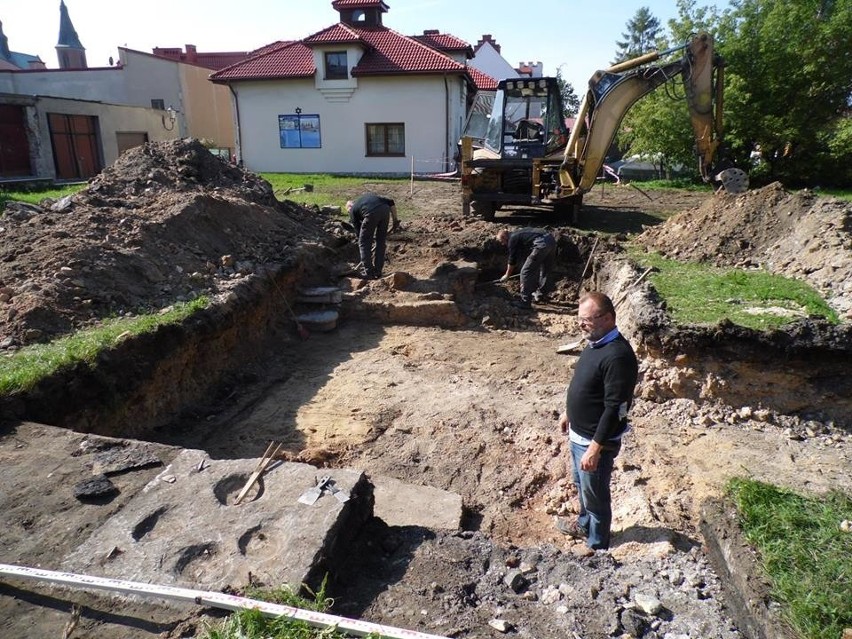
633 623
500 625
648 604
516 581
120 459
550 595
98 487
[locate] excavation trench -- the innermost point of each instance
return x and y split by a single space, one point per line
437 381
428 378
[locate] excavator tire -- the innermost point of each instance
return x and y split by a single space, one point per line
483 209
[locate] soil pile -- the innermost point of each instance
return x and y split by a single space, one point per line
798 235
167 222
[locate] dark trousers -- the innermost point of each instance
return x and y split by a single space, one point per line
535 273
374 227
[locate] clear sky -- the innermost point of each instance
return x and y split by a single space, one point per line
578 36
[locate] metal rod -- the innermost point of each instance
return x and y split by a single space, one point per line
214 599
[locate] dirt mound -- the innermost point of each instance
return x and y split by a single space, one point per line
798 235
167 222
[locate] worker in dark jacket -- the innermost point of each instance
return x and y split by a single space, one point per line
370 215
538 246
595 419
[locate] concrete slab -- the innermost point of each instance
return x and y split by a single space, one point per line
401 504
184 529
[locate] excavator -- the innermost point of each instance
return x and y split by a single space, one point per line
528 156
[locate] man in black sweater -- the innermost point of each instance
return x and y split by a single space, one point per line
370 215
597 401
538 247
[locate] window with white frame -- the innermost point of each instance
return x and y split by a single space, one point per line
386 139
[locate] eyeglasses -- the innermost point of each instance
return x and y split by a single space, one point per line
589 320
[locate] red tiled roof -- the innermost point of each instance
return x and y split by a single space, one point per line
269 47
289 60
210 60
386 53
358 4
393 53
443 42
482 81
335 34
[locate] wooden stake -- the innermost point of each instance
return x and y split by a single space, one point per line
264 462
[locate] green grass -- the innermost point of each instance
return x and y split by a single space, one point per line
681 184
806 555
251 624
704 295
838 193
331 190
36 196
22 369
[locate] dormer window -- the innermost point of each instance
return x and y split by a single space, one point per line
359 16
335 65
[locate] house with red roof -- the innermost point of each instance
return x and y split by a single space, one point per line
356 97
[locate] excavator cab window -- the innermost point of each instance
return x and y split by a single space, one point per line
526 120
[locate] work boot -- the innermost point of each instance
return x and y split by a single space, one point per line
522 303
571 528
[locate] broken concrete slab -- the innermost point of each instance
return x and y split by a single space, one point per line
401 504
121 458
188 532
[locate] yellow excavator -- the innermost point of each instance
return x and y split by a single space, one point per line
528 157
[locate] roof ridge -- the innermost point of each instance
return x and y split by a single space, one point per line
342 25
425 46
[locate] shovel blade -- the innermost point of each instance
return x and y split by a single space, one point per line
310 496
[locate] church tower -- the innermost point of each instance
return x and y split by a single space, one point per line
70 52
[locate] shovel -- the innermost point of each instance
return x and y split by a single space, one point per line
310 496
324 484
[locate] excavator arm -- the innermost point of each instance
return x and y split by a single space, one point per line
612 92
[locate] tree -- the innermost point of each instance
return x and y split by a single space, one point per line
570 101
789 69
658 126
641 37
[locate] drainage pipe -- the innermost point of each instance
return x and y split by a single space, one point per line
213 599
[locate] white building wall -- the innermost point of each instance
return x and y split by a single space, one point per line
151 78
489 61
105 85
430 110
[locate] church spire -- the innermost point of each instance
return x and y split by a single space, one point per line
71 54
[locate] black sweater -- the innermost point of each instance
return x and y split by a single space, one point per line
601 390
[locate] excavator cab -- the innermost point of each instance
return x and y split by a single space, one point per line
526 119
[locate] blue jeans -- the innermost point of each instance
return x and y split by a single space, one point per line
593 489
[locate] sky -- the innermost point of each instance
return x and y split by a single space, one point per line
577 37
